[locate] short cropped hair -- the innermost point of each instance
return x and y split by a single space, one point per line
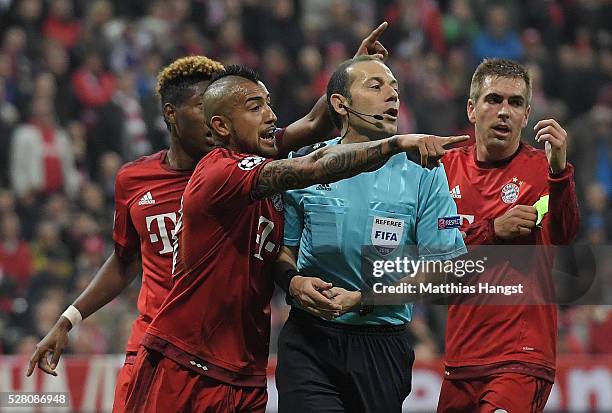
221 90
236 70
340 82
176 78
498 68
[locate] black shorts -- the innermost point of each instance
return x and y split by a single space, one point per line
326 367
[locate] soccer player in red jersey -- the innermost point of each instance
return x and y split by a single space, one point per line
501 358
207 348
147 199
148 195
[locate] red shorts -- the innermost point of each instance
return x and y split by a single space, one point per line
509 392
123 380
161 385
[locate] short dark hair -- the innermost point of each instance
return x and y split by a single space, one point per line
498 68
174 79
340 82
221 89
236 70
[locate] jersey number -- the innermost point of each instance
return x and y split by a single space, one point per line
261 240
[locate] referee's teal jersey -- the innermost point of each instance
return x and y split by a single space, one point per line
399 205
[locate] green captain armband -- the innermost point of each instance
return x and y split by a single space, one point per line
541 208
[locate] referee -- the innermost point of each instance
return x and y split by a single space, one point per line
360 361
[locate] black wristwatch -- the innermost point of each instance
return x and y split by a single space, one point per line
363 308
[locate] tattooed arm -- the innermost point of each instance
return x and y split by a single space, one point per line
334 163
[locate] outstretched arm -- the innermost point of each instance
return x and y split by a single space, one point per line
112 278
334 163
317 124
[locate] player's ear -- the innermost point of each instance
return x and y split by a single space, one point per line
338 101
526 118
471 113
169 113
220 126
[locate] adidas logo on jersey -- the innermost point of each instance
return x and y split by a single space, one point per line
147 199
323 187
455 192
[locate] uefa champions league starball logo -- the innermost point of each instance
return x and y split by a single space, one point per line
441 223
250 162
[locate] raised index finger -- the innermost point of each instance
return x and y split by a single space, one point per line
373 37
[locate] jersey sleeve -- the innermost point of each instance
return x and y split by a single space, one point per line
125 235
294 216
294 219
436 241
223 182
563 219
480 233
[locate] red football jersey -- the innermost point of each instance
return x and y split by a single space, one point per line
487 334
147 200
216 319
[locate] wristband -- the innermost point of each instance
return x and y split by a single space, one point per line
364 309
73 315
284 280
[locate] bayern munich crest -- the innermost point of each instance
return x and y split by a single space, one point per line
250 162
510 193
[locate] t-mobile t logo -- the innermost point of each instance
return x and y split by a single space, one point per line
162 232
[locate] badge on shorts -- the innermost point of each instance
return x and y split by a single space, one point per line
386 234
250 162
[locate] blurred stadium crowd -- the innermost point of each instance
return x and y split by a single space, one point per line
77 100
